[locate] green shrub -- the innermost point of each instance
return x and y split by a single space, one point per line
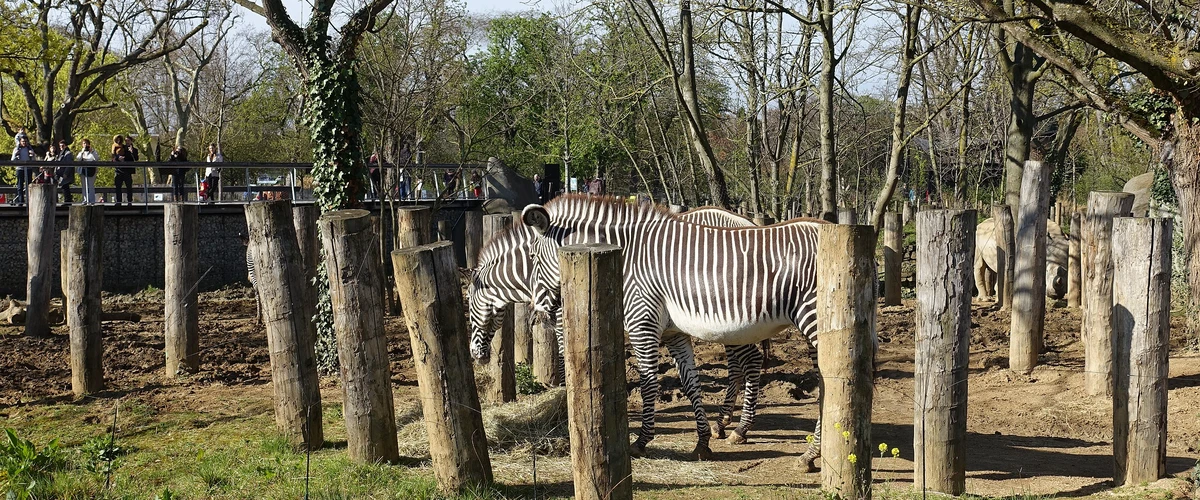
526 382
26 470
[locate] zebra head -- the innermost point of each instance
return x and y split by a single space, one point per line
543 253
501 278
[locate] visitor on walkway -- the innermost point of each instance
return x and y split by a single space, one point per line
123 175
65 173
450 183
88 174
45 175
23 152
178 175
212 175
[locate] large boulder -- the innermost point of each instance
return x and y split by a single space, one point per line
1057 246
1139 187
505 189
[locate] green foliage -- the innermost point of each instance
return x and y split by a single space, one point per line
332 115
1155 107
326 347
98 455
26 469
1162 191
526 382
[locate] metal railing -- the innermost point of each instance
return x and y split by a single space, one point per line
242 182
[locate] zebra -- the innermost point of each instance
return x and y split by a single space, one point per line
680 278
504 275
252 278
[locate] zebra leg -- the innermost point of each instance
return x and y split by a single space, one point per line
810 456
560 362
685 360
647 367
753 362
733 360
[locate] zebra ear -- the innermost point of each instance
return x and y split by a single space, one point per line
536 216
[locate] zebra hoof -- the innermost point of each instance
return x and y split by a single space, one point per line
637 450
807 463
702 452
736 438
720 431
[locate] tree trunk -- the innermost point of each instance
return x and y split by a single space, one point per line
1186 178
1006 250
1021 83
349 242
333 115
1097 330
1074 272
181 317
1142 324
305 219
893 257
39 252
828 137
946 239
85 272
912 19
690 99
1029 286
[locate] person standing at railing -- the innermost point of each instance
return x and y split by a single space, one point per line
45 175
23 152
87 153
123 175
178 175
212 175
65 173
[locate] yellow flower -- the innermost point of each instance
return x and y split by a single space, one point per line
895 452
852 458
810 438
846 434
837 425
883 447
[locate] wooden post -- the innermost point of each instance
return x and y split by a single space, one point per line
431 298
1097 333
1074 273
908 212
1142 323
545 351
1029 272
593 325
676 209
62 265
945 262
85 260
181 314
847 216
444 231
501 367
414 226
288 318
474 231
1006 249
39 253
522 334
351 259
893 256
846 284
305 219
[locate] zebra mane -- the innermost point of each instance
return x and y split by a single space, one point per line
578 207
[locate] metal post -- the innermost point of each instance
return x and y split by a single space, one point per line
145 188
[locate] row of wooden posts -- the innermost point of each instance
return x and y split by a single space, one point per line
283 241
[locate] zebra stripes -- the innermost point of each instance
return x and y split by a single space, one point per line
730 286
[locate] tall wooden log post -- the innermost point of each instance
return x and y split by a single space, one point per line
305 219
288 318
523 325
1097 333
846 285
501 368
593 325
907 212
414 226
473 231
39 252
946 239
1006 249
85 272
62 264
545 351
181 313
893 257
1029 285
1074 270
676 209
445 231
1142 324
847 216
350 241
431 298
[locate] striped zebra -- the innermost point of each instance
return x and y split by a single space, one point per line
729 286
250 276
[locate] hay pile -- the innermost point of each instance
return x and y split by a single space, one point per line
537 423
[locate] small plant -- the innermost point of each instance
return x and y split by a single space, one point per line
24 468
526 382
98 455
165 495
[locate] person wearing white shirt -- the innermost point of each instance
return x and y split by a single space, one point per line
88 174
212 174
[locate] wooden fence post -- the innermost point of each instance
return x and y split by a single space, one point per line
1029 271
1097 248
445 232
1006 249
352 261
846 287
305 219
414 226
1142 322
676 209
473 231
181 317
945 261
593 322
431 298
522 334
893 257
39 253
288 318
545 351
501 367
847 216
1074 272
85 272
907 212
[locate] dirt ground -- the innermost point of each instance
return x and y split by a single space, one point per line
1037 434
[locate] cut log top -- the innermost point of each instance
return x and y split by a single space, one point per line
347 214
589 248
420 248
